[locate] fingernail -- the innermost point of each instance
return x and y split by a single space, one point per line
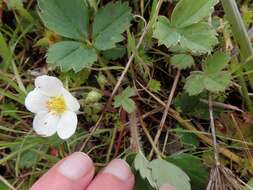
167 187
76 166
118 168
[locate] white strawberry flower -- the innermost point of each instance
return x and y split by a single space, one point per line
54 108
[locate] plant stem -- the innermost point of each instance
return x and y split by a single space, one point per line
135 144
212 125
143 125
239 32
111 144
244 90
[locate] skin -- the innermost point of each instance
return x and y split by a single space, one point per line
76 172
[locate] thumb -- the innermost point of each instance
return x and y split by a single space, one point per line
72 173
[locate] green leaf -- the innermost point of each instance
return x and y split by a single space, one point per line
197 82
114 53
141 164
191 106
67 18
217 82
188 140
216 62
154 85
164 172
197 172
124 100
166 34
194 84
13 4
188 12
186 103
182 61
28 159
140 183
3 186
198 38
249 184
5 53
110 21
71 55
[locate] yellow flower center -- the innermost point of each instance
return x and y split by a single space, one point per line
56 105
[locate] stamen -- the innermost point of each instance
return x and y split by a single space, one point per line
56 105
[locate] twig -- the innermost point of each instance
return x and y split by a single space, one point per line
215 145
222 105
165 113
165 141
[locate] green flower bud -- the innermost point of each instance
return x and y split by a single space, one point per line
93 96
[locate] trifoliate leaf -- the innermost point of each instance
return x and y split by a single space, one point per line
217 82
182 61
194 84
141 164
197 172
197 82
125 101
198 38
110 21
67 18
71 55
164 172
154 85
215 62
188 12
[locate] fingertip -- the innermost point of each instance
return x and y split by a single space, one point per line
116 175
76 166
74 172
118 168
167 187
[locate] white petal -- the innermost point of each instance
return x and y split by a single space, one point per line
49 85
70 100
35 101
67 125
45 124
